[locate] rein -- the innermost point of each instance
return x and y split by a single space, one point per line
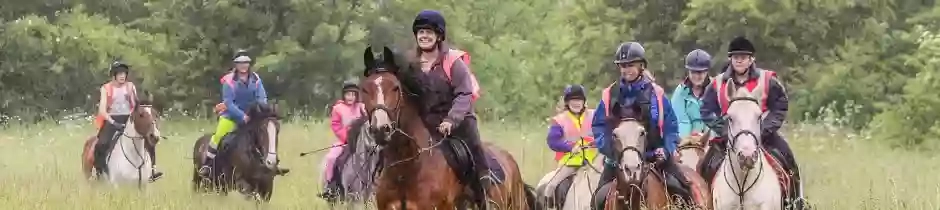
134 139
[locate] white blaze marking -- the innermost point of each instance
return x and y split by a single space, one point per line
380 116
272 144
381 97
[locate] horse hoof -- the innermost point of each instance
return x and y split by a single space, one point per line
283 171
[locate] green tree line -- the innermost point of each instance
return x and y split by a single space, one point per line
874 65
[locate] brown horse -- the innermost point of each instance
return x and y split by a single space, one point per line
247 158
637 184
692 149
144 120
416 173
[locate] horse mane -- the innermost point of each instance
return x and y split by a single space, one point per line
352 135
742 93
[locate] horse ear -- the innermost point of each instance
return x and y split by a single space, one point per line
389 57
368 59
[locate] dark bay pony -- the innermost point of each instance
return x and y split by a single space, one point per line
247 158
415 171
637 184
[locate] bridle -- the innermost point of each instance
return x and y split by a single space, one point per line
636 182
742 187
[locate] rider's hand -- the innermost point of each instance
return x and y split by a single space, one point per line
445 128
576 149
660 153
246 118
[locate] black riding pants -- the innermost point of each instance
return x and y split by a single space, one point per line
106 138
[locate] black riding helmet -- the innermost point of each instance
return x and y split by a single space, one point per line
241 56
430 19
740 45
350 86
574 92
629 52
119 67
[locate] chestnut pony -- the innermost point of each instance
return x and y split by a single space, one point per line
637 184
414 172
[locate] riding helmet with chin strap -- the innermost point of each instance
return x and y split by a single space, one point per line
118 67
350 86
698 61
630 52
241 56
740 45
430 19
574 92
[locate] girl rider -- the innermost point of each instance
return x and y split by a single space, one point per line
118 99
345 111
570 130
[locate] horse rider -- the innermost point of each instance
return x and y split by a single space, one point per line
345 111
445 90
773 101
117 101
569 133
635 87
241 88
687 97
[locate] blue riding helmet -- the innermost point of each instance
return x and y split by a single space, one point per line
698 60
430 19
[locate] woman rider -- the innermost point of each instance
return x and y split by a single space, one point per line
241 88
686 98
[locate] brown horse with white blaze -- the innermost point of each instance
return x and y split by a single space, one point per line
415 171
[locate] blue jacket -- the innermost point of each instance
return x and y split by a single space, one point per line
238 95
629 92
687 108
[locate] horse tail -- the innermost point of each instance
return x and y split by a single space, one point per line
531 199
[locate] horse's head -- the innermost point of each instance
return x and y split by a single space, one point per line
629 140
382 93
265 121
744 118
145 118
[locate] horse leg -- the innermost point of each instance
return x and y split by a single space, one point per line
88 158
266 189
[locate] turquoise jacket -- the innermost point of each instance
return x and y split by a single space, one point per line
686 106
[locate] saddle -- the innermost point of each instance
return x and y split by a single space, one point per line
458 156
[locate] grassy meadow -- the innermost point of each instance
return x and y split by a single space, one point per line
39 168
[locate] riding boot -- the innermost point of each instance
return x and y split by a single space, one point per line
102 148
468 132
782 146
206 167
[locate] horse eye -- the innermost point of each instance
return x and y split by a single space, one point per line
642 133
396 89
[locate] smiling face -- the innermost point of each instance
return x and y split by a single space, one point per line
427 39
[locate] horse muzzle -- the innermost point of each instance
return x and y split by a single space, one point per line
747 161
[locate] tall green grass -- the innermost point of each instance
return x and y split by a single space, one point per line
39 168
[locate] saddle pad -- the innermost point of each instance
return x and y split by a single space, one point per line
496 169
782 175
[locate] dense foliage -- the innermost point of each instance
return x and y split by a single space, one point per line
874 63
